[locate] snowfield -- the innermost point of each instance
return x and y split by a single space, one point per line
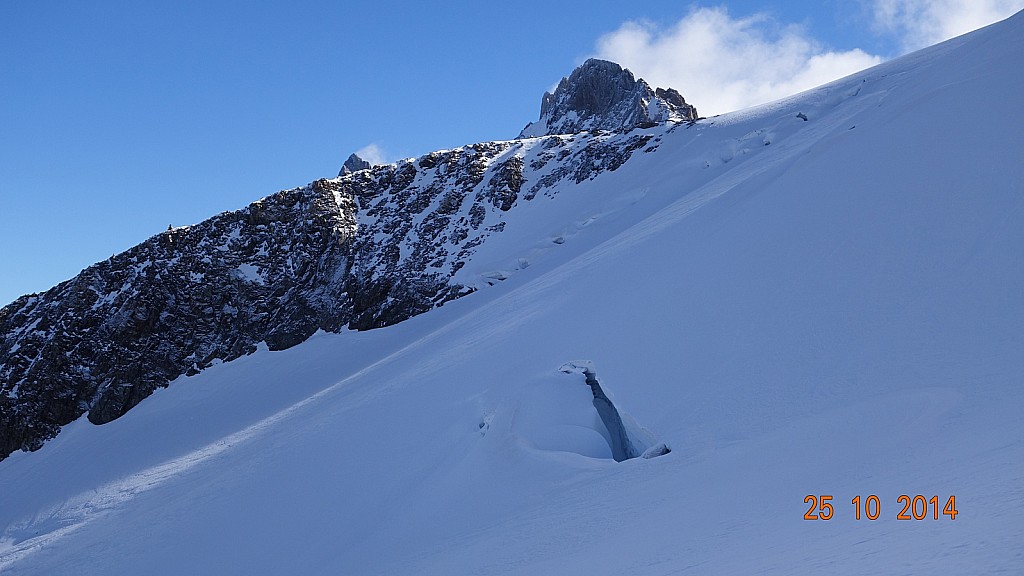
820 296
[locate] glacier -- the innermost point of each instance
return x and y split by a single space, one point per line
819 296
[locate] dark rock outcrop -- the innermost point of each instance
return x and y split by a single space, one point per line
601 95
104 340
353 164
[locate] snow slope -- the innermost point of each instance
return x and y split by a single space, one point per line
831 306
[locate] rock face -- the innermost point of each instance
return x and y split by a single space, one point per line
353 164
104 340
367 249
601 95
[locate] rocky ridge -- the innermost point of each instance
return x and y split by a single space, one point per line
370 248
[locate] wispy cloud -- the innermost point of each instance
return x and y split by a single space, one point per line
720 63
920 23
373 154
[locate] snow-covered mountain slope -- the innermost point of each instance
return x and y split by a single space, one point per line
370 248
821 296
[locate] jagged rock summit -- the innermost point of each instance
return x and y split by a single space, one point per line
601 95
353 164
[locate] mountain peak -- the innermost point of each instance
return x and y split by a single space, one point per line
603 95
353 164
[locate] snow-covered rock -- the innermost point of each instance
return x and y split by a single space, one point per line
175 304
370 248
601 95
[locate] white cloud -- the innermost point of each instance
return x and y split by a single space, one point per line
372 153
920 23
721 64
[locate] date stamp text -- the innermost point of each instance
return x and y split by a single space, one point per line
912 508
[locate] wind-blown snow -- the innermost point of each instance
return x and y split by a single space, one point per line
830 306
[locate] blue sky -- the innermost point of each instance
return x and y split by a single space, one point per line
118 118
